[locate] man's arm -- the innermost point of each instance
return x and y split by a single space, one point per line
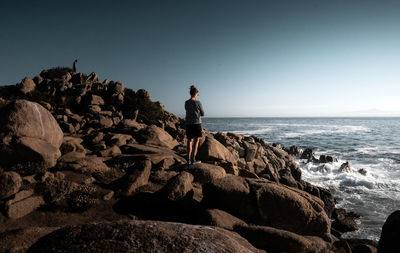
201 109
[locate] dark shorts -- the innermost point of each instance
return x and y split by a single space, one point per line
193 131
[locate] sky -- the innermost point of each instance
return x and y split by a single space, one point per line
247 58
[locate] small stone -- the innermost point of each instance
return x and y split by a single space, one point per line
45 176
105 122
362 171
59 175
89 180
108 196
29 180
94 108
112 151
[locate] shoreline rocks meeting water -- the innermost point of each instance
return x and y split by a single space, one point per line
92 166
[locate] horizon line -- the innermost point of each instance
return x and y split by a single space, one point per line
395 116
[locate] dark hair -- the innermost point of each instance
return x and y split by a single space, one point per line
193 91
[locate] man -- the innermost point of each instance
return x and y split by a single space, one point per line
194 110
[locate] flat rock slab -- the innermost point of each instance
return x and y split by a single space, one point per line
21 208
142 236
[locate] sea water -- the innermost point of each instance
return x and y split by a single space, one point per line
372 144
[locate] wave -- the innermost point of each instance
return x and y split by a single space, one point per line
254 132
378 150
365 194
325 129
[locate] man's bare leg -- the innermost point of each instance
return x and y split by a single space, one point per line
195 147
189 150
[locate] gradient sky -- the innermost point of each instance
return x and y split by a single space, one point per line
247 58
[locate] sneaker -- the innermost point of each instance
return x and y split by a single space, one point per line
195 162
189 162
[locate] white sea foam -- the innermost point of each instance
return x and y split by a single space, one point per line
263 130
327 129
375 177
360 193
378 150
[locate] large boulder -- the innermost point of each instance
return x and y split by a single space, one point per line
266 203
291 209
278 240
142 236
212 150
204 172
153 135
23 118
389 241
39 151
231 194
177 187
30 137
28 155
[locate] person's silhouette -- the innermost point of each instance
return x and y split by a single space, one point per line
194 110
74 66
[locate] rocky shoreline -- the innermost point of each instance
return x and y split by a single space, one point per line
91 166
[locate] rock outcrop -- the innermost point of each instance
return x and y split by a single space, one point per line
81 150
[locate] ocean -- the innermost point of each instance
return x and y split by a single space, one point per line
372 144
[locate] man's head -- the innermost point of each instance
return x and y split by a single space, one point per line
193 91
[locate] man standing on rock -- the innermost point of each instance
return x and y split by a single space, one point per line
194 110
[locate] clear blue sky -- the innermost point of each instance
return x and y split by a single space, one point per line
247 58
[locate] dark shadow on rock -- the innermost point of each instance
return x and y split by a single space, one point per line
150 207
